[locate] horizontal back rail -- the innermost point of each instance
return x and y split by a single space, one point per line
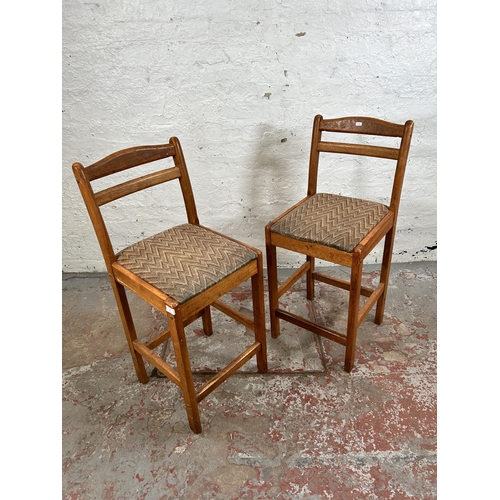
362 125
358 149
127 158
134 185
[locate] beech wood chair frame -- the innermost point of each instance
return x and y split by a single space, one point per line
178 315
354 260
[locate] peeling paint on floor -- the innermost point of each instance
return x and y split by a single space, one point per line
305 430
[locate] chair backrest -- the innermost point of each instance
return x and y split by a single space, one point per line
364 126
124 160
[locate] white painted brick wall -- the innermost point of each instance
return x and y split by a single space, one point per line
239 83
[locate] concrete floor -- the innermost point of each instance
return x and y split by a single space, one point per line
305 430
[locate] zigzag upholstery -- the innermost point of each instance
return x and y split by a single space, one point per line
335 221
185 260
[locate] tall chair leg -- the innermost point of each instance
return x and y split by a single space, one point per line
129 328
384 275
353 314
259 315
309 278
272 281
207 321
184 368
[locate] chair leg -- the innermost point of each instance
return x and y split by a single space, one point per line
353 314
259 315
129 328
207 321
184 368
309 278
272 282
384 275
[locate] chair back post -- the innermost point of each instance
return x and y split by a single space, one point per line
314 157
404 149
95 215
187 191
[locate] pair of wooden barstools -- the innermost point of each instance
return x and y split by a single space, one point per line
186 269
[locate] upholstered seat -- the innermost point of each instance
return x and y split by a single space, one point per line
335 221
185 260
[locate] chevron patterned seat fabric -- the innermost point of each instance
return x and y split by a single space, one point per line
335 221
185 260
